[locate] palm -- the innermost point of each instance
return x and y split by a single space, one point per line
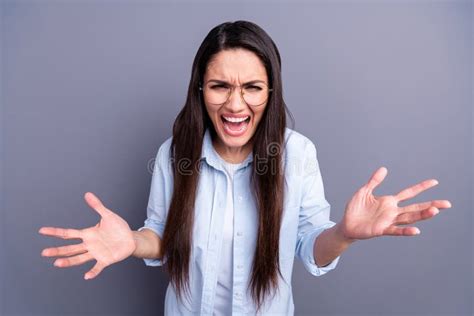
108 242
368 216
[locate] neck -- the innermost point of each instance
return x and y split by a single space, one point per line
232 154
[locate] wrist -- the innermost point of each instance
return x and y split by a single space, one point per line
136 239
340 233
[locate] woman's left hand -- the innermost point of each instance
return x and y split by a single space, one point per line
367 216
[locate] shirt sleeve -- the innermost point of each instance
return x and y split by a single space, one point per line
157 207
314 213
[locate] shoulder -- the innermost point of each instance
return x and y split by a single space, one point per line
164 149
297 144
300 155
163 155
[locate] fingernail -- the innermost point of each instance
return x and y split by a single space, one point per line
436 182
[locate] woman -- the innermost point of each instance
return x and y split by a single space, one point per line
236 195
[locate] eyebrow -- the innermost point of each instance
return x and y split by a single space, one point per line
246 83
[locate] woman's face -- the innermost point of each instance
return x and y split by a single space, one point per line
235 67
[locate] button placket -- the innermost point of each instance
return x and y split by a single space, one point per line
240 279
213 253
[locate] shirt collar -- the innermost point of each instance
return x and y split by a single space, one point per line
209 154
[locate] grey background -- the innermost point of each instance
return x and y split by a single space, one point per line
90 89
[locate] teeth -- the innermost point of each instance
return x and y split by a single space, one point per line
234 119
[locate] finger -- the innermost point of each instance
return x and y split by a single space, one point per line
94 271
421 206
96 204
416 189
73 261
65 251
64 233
401 231
411 217
376 179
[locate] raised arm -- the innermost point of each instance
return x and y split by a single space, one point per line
368 216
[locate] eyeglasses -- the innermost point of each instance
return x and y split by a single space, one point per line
253 94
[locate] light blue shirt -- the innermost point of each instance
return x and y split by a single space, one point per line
305 215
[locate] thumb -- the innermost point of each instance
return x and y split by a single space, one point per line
94 272
96 204
377 178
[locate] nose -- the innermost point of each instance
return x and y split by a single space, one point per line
235 103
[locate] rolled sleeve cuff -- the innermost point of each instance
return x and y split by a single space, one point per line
158 228
308 253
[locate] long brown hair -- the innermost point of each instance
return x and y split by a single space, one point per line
188 133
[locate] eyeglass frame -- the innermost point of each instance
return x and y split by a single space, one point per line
241 93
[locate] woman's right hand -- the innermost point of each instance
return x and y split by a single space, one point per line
108 242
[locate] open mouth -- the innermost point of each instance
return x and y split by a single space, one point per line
235 126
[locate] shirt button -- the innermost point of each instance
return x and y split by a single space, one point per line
240 198
239 266
239 233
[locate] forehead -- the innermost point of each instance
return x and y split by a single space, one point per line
235 65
